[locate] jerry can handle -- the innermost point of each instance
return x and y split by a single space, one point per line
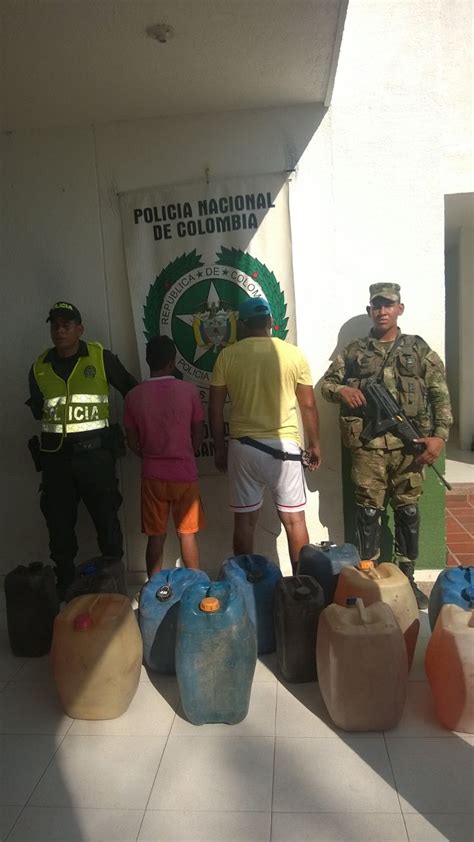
301 590
83 621
468 595
357 601
35 566
327 545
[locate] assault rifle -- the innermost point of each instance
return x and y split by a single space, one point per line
386 416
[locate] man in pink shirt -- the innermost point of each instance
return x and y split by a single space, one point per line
164 424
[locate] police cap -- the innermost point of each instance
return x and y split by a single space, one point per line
64 310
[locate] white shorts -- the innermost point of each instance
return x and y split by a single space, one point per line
251 471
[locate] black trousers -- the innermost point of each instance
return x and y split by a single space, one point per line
67 479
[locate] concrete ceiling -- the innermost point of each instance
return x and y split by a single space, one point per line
69 62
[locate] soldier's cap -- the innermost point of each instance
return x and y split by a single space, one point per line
389 291
253 307
64 310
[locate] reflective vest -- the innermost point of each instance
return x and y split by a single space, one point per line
80 404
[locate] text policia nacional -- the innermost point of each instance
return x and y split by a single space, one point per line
205 216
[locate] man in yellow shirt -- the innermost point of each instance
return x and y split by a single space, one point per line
265 379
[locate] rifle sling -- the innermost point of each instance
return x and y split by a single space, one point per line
389 357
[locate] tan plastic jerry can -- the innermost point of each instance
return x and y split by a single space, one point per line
362 666
385 583
96 656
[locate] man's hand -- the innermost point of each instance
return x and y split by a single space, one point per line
314 457
133 440
433 447
352 397
217 396
220 459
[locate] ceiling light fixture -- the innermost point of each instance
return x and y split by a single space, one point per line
161 32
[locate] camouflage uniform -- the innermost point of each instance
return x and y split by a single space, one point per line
414 374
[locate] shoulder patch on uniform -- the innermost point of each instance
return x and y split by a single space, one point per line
434 358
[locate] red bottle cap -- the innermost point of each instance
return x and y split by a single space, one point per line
83 622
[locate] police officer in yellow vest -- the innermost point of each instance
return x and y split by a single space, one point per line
69 392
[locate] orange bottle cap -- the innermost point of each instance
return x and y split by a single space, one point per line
366 565
210 604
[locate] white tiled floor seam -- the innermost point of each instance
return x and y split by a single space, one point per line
395 785
156 773
274 752
26 804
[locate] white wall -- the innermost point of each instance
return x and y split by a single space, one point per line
51 248
366 205
456 95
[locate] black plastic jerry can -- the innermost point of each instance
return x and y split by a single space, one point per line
299 601
103 574
32 605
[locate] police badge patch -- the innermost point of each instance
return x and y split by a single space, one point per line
197 305
90 371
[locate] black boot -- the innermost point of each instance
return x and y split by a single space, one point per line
408 568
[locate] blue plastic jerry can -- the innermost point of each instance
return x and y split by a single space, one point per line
257 577
158 615
325 561
454 586
216 652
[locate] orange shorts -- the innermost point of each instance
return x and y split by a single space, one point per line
159 496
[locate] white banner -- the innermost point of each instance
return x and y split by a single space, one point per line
194 252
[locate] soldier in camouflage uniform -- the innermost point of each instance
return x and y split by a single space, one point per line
414 374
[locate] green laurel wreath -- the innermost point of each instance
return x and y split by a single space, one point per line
244 262
235 258
162 285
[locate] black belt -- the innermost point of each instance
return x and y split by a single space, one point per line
84 445
272 451
72 448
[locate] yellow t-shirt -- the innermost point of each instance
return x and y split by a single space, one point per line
261 375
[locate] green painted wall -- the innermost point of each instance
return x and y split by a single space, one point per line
432 510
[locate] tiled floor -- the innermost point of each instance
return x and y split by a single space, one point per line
284 774
460 525
459 463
